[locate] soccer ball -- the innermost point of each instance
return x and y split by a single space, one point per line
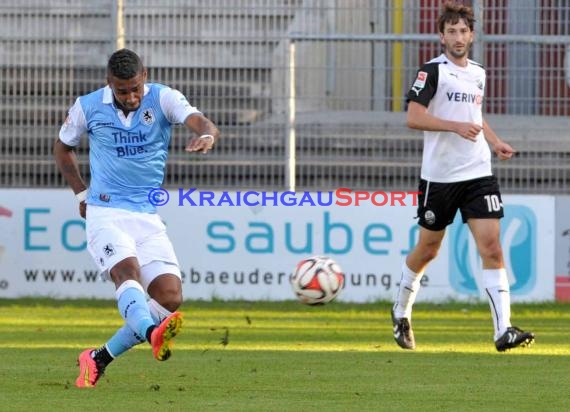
317 280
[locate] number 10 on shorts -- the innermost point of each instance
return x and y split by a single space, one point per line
493 203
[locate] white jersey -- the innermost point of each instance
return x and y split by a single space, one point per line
451 92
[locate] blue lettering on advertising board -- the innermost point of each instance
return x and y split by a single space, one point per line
329 236
518 239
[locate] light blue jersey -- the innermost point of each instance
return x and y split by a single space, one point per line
127 155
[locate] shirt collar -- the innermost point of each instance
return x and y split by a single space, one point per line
108 94
454 65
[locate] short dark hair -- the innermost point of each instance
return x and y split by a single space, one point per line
452 13
124 64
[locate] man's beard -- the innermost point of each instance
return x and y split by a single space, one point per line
461 54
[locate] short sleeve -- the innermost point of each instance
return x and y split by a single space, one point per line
425 85
74 126
175 106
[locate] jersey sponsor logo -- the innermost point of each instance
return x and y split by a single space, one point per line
420 82
129 137
130 151
519 242
460 97
147 116
131 143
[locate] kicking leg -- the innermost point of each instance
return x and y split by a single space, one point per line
164 286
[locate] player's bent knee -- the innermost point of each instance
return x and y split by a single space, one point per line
169 300
167 294
174 305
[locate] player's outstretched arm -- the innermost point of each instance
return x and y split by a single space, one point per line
207 133
68 166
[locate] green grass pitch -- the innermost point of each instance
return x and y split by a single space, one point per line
283 356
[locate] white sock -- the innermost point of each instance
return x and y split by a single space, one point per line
497 287
407 292
157 311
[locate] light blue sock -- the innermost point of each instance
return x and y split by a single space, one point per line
132 305
125 338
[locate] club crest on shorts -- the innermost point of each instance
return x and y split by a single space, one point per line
429 217
108 250
147 117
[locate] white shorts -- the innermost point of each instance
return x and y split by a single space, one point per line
116 234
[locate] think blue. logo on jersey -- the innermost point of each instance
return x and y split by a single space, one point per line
518 239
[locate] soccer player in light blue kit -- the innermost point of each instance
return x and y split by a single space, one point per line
128 124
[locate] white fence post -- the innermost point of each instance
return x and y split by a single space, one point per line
291 138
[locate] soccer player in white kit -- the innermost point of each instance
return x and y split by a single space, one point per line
128 123
445 102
